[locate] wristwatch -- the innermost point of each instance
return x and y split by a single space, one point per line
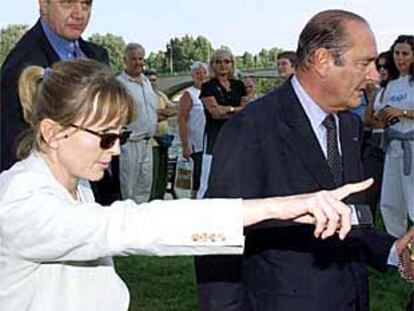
231 109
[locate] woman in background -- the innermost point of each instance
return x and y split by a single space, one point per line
222 97
191 122
373 155
397 199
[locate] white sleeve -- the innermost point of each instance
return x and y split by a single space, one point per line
43 225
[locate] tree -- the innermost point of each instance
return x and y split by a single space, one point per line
157 62
264 59
182 52
9 37
203 49
247 60
115 46
273 56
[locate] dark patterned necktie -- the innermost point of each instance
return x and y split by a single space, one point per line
334 158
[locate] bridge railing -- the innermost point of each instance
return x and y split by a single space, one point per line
171 84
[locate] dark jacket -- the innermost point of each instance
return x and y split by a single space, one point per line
274 152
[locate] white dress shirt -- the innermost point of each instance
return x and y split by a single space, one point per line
55 251
316 116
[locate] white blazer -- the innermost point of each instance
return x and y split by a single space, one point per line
55 252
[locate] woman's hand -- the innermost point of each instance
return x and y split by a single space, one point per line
388 113
186 152
324 209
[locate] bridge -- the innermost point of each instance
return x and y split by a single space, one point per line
172 84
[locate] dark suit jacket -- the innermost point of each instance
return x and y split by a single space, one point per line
270 149
34 49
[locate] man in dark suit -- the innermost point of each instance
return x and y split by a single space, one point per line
281 145
56 36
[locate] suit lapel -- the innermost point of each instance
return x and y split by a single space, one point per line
94 52
89 52
298 134
51 55
350 146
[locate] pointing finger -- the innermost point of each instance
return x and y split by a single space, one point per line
344 191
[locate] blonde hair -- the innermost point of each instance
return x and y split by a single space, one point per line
80 90
222 52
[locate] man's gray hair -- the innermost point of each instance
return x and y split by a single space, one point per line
327 29
133 46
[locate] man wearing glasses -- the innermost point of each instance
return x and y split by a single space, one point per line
56 36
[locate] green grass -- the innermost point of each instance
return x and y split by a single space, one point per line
168 284
159 284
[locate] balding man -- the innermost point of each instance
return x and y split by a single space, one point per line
299 138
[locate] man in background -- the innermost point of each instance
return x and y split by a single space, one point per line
251 90
286 63
56 36
163 139
136 159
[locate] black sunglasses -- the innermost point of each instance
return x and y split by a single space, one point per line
107 139
223 61
381 66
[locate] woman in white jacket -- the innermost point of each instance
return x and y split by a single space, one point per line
56 243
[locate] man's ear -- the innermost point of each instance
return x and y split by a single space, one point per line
322 60
43 7
51 132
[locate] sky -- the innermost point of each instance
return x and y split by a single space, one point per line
243 25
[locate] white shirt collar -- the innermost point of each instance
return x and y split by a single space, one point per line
139 80
315 114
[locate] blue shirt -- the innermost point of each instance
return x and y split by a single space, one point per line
65 49
360 110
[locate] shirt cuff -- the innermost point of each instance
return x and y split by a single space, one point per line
393 256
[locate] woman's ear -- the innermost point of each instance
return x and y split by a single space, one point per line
51 132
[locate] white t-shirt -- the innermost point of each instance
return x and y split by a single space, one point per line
400 94
196 121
